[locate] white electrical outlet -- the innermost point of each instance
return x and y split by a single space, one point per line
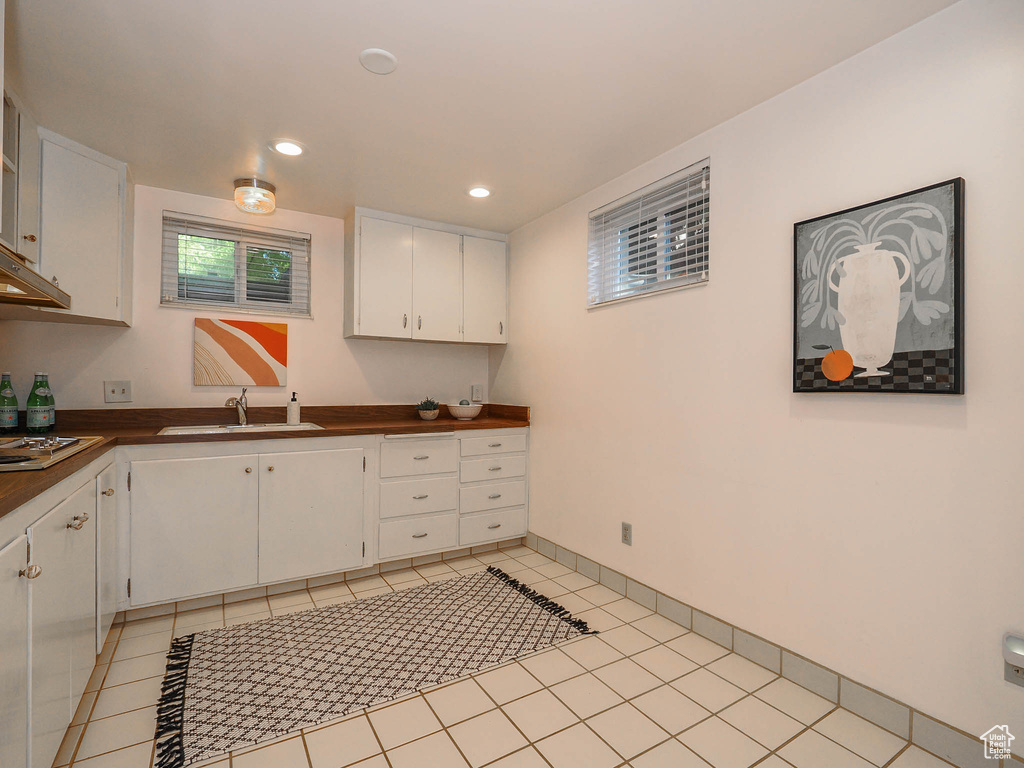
117 391
478 393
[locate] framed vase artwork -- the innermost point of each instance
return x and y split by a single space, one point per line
878 302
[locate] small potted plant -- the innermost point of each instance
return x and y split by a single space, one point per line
428 409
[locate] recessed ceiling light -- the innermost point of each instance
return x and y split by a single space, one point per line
479 192
378 61
286 147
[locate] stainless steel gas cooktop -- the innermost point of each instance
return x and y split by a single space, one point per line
18 454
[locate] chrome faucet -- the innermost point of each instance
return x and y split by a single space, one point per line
241 405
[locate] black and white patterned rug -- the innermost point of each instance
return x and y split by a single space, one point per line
242 685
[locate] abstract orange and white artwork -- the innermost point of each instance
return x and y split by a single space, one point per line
239 352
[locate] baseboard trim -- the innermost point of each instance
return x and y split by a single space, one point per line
922 730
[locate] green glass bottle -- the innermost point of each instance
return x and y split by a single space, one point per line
51 402
38 407
8 406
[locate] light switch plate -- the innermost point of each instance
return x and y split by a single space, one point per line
117 391
478 393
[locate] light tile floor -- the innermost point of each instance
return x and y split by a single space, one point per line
645 693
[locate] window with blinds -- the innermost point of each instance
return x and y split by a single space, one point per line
213 264
655 239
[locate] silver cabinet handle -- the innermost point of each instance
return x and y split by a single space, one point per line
77 522
108 492
405 320
494 469
494 445
248 470
501 329
419 458
494 496
421 496
419 535
32 572
419 322
492 527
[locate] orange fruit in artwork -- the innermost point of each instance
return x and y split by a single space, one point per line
837 365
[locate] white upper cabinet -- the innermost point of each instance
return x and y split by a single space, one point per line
385 279
85 218
485 298
436 285
407 278
29 160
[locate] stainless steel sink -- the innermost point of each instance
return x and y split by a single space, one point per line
226 429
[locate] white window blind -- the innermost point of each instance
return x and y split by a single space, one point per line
213 264
655 239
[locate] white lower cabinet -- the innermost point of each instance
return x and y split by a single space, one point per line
106 553
14 596
194 526
310 513
62 606
416 535
484 527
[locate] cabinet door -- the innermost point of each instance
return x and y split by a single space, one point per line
28 187
80 218
311 513
194 526
385 279
436 285
14 596
485 291
56 549
106 553
82 590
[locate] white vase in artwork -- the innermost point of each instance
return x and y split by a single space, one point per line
869 304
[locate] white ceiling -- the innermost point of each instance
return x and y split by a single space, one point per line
540 100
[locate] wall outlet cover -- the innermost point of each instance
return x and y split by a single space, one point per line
478 393
117 391
627 534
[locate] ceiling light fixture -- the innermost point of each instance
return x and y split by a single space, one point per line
378 61
287 147
479 192
254 195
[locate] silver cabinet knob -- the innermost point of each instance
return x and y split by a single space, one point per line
405 320
419 535
494 469
419 322
76 523
32 572
108 492
494 496
421 496
495 525
270 469
494 445
248 470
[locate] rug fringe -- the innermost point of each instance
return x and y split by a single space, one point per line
546 603
171 706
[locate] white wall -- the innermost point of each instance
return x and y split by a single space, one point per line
156 353
880 535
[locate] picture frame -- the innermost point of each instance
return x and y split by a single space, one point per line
878 295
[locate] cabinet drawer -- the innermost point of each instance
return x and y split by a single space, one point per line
492 496
414 497
494 468
492 526
421 534
485 446
418 457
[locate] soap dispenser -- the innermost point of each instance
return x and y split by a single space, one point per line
293 411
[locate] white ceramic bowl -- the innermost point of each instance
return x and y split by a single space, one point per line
465 412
